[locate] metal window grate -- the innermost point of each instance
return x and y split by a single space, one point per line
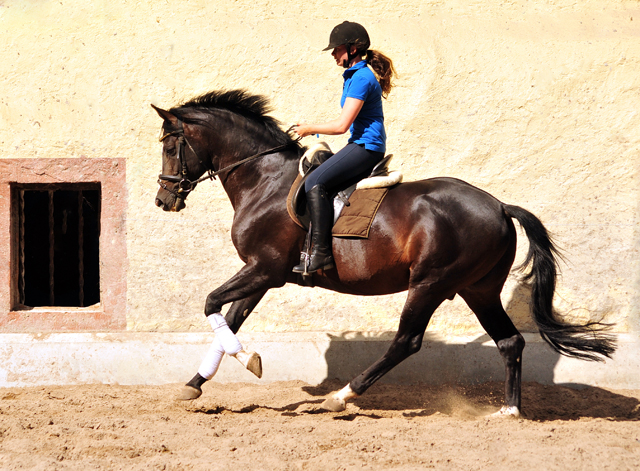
57 237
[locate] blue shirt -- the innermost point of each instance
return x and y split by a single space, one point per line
368 127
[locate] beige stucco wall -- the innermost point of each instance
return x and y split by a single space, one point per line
536 102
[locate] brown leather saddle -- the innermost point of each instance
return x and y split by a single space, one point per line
297 200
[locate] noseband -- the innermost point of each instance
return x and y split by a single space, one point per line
185 186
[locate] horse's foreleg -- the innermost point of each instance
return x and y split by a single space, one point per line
510 344
247 280
225 341
250 283
408 340
237 314
240 310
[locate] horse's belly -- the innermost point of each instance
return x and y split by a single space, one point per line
371 287
363 268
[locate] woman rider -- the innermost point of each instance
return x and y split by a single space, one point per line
361 114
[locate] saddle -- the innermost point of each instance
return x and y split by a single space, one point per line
363 198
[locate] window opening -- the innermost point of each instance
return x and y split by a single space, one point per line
58 233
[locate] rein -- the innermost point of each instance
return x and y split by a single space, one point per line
185 186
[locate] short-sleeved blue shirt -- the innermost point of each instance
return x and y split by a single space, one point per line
368 127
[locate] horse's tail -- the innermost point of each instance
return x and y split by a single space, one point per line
589 341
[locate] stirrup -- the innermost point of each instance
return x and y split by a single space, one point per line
305 266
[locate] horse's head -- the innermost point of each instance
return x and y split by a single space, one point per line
180 164
219 133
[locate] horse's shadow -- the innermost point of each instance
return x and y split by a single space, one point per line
439 374
540 402
289 410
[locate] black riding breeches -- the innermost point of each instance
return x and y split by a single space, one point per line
346 167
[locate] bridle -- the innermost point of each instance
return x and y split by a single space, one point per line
186 186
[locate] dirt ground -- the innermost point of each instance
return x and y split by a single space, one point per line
279 426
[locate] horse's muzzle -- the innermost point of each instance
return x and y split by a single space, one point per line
178 204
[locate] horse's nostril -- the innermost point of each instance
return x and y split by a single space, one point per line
158 203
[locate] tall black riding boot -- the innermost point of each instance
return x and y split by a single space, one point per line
321 209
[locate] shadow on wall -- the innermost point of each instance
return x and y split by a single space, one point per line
439 362
465 379
470 361
473 371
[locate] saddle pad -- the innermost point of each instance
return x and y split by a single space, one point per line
355 220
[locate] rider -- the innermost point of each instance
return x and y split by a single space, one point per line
361 114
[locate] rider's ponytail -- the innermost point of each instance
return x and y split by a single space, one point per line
383 67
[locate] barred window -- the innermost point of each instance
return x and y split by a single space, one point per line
56 237
63 246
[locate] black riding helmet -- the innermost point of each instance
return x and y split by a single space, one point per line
349 34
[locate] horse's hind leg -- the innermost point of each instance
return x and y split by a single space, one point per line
408 340
488 308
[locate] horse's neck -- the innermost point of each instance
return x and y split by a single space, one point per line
268 176
252 183
233 138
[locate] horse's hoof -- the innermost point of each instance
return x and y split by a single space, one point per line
334 405
188 393
251 361
505 411
254 364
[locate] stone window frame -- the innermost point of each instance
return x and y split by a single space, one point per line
110 314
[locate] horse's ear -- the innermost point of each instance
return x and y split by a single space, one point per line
166 115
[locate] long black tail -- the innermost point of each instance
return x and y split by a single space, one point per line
589 341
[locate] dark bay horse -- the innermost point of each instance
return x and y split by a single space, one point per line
435 238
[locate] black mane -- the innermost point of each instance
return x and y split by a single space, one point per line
241 102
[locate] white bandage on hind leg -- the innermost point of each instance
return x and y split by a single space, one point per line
228 339
211 362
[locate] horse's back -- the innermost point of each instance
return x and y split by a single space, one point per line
449 186
446 199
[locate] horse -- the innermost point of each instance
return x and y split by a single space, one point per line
434 238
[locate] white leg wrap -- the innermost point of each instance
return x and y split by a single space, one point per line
225 342
508 412
345 394
211 362
338 401
228 339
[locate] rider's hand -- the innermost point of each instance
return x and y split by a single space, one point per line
302 130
